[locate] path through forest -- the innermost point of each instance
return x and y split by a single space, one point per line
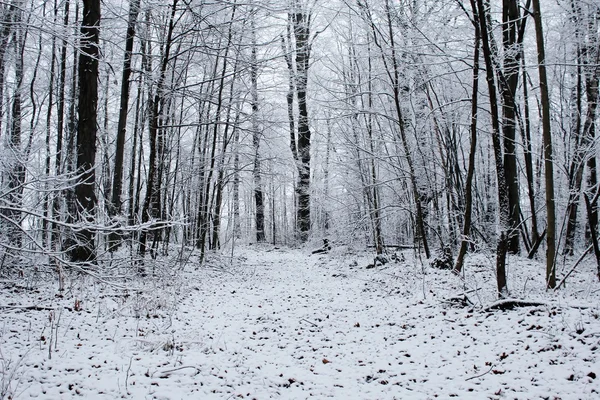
274 323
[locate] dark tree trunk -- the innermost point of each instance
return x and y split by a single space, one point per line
16 172
152 206
115 207
60 122
301 20
508 88
85 193
527 155
503 204
462 251
547 141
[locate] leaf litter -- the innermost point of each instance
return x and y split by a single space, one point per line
282 323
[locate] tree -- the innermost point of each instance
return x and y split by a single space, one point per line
301 23
473 149
256 135
503 203
512 37
84 250
117 186
156 106
547 143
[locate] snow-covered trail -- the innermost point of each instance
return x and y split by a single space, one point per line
297 326
289 325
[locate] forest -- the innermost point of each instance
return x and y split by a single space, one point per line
437 124
146 142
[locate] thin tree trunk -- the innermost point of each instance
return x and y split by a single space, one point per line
527 154
71 156
421 234
547 140
116 205
259 216
462 251
60 121
16 172
152 199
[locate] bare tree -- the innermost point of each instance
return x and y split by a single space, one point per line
85 193
547 141
115 208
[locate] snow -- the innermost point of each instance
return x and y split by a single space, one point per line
282 323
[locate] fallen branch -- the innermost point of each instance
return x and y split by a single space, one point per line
165 374
313 324
480 375
580 259
25 308
536 245
509 304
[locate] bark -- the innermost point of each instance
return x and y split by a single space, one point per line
503 203
376 212
70 154
579 138
547 142
205 206
420 232
47 206
508 89
462 251
152 206
117 185
237 229
8 13
16 172
85 193
60 122
301 21
259 216
527 155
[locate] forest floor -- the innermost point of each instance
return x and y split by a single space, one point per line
282 323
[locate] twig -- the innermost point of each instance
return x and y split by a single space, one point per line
313 324
585 253
127 374
480 375
165 374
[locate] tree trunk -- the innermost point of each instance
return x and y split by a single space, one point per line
259 216
547 141
420 231
302 20
508 89
152 199
503 203
60 121
462 251
115 207
16 172
527 154
84 250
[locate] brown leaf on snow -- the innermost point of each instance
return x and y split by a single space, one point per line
326 361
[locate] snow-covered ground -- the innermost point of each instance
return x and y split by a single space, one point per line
281 323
